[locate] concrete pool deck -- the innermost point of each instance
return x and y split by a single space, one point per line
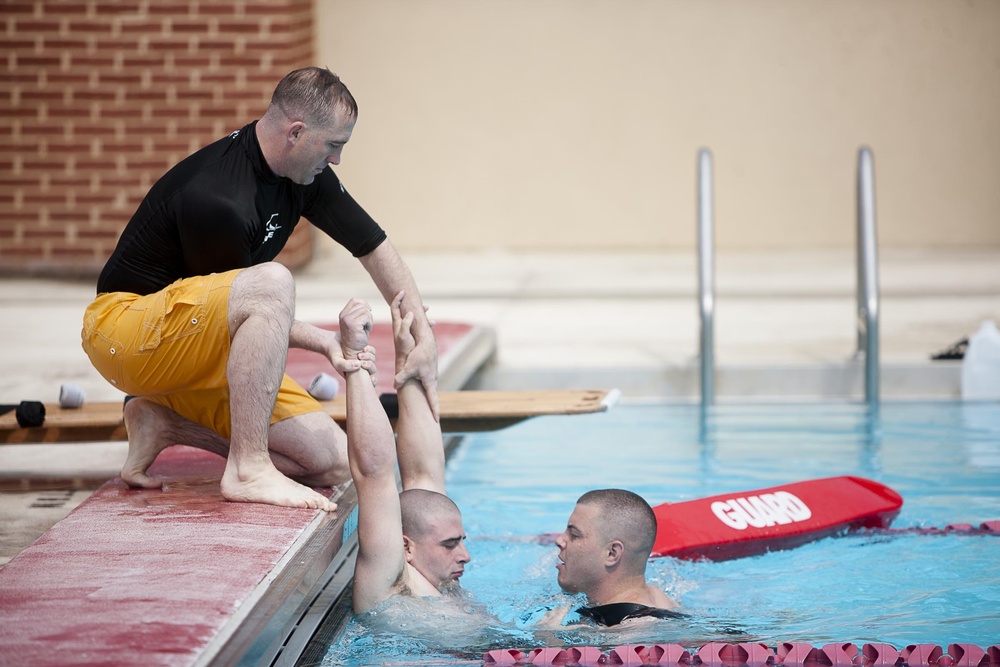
785 321
572 318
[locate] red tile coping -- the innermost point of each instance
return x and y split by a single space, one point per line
136 572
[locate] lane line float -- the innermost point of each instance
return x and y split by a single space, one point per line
722 654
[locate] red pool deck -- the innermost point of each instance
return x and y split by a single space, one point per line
142 576
166 577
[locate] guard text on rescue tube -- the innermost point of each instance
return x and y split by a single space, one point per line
767 509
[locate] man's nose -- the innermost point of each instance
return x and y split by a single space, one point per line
561 541
463 555
334 157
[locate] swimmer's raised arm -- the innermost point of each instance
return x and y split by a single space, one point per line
372 456
420 445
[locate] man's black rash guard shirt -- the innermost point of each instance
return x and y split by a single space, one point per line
223 208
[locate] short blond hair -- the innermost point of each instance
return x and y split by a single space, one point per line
313 94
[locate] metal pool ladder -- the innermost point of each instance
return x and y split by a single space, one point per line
867 270
706 276
868 294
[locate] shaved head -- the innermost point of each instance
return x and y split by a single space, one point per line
422 508
626 517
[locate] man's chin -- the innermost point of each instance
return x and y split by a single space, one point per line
566 584
451 588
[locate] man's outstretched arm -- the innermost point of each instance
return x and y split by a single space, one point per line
371 453
420 447
392 276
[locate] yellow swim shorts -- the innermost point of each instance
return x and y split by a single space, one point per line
172 347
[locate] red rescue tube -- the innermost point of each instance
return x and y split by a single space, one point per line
748 523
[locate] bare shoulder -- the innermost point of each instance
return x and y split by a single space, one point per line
660 599
553 618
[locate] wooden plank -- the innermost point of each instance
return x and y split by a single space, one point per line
461 412
94 422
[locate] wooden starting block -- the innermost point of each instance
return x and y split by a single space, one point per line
461 412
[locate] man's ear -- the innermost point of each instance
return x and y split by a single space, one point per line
295 131
615 552
408 549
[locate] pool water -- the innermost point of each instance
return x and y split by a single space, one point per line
515 484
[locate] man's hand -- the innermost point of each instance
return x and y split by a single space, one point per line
420 360
402 337
343 366
355 353
392 276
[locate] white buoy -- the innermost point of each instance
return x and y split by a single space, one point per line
71 396
323 387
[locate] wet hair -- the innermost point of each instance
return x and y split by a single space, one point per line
627 517
313 94
419 507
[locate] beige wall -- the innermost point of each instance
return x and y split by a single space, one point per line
574 124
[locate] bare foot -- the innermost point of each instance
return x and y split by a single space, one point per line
148 434
264 484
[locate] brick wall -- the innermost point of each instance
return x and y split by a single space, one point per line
99 98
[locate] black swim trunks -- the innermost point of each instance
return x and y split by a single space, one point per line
613 614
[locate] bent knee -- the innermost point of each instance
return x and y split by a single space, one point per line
315 447
336 474
328 464
324 473
265 288
272 272
269 280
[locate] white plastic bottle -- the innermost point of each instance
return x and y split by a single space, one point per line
981 365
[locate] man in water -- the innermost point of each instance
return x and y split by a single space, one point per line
410 543
603 554
194 318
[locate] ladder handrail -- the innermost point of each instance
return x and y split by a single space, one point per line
868 292
867 275
706 276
